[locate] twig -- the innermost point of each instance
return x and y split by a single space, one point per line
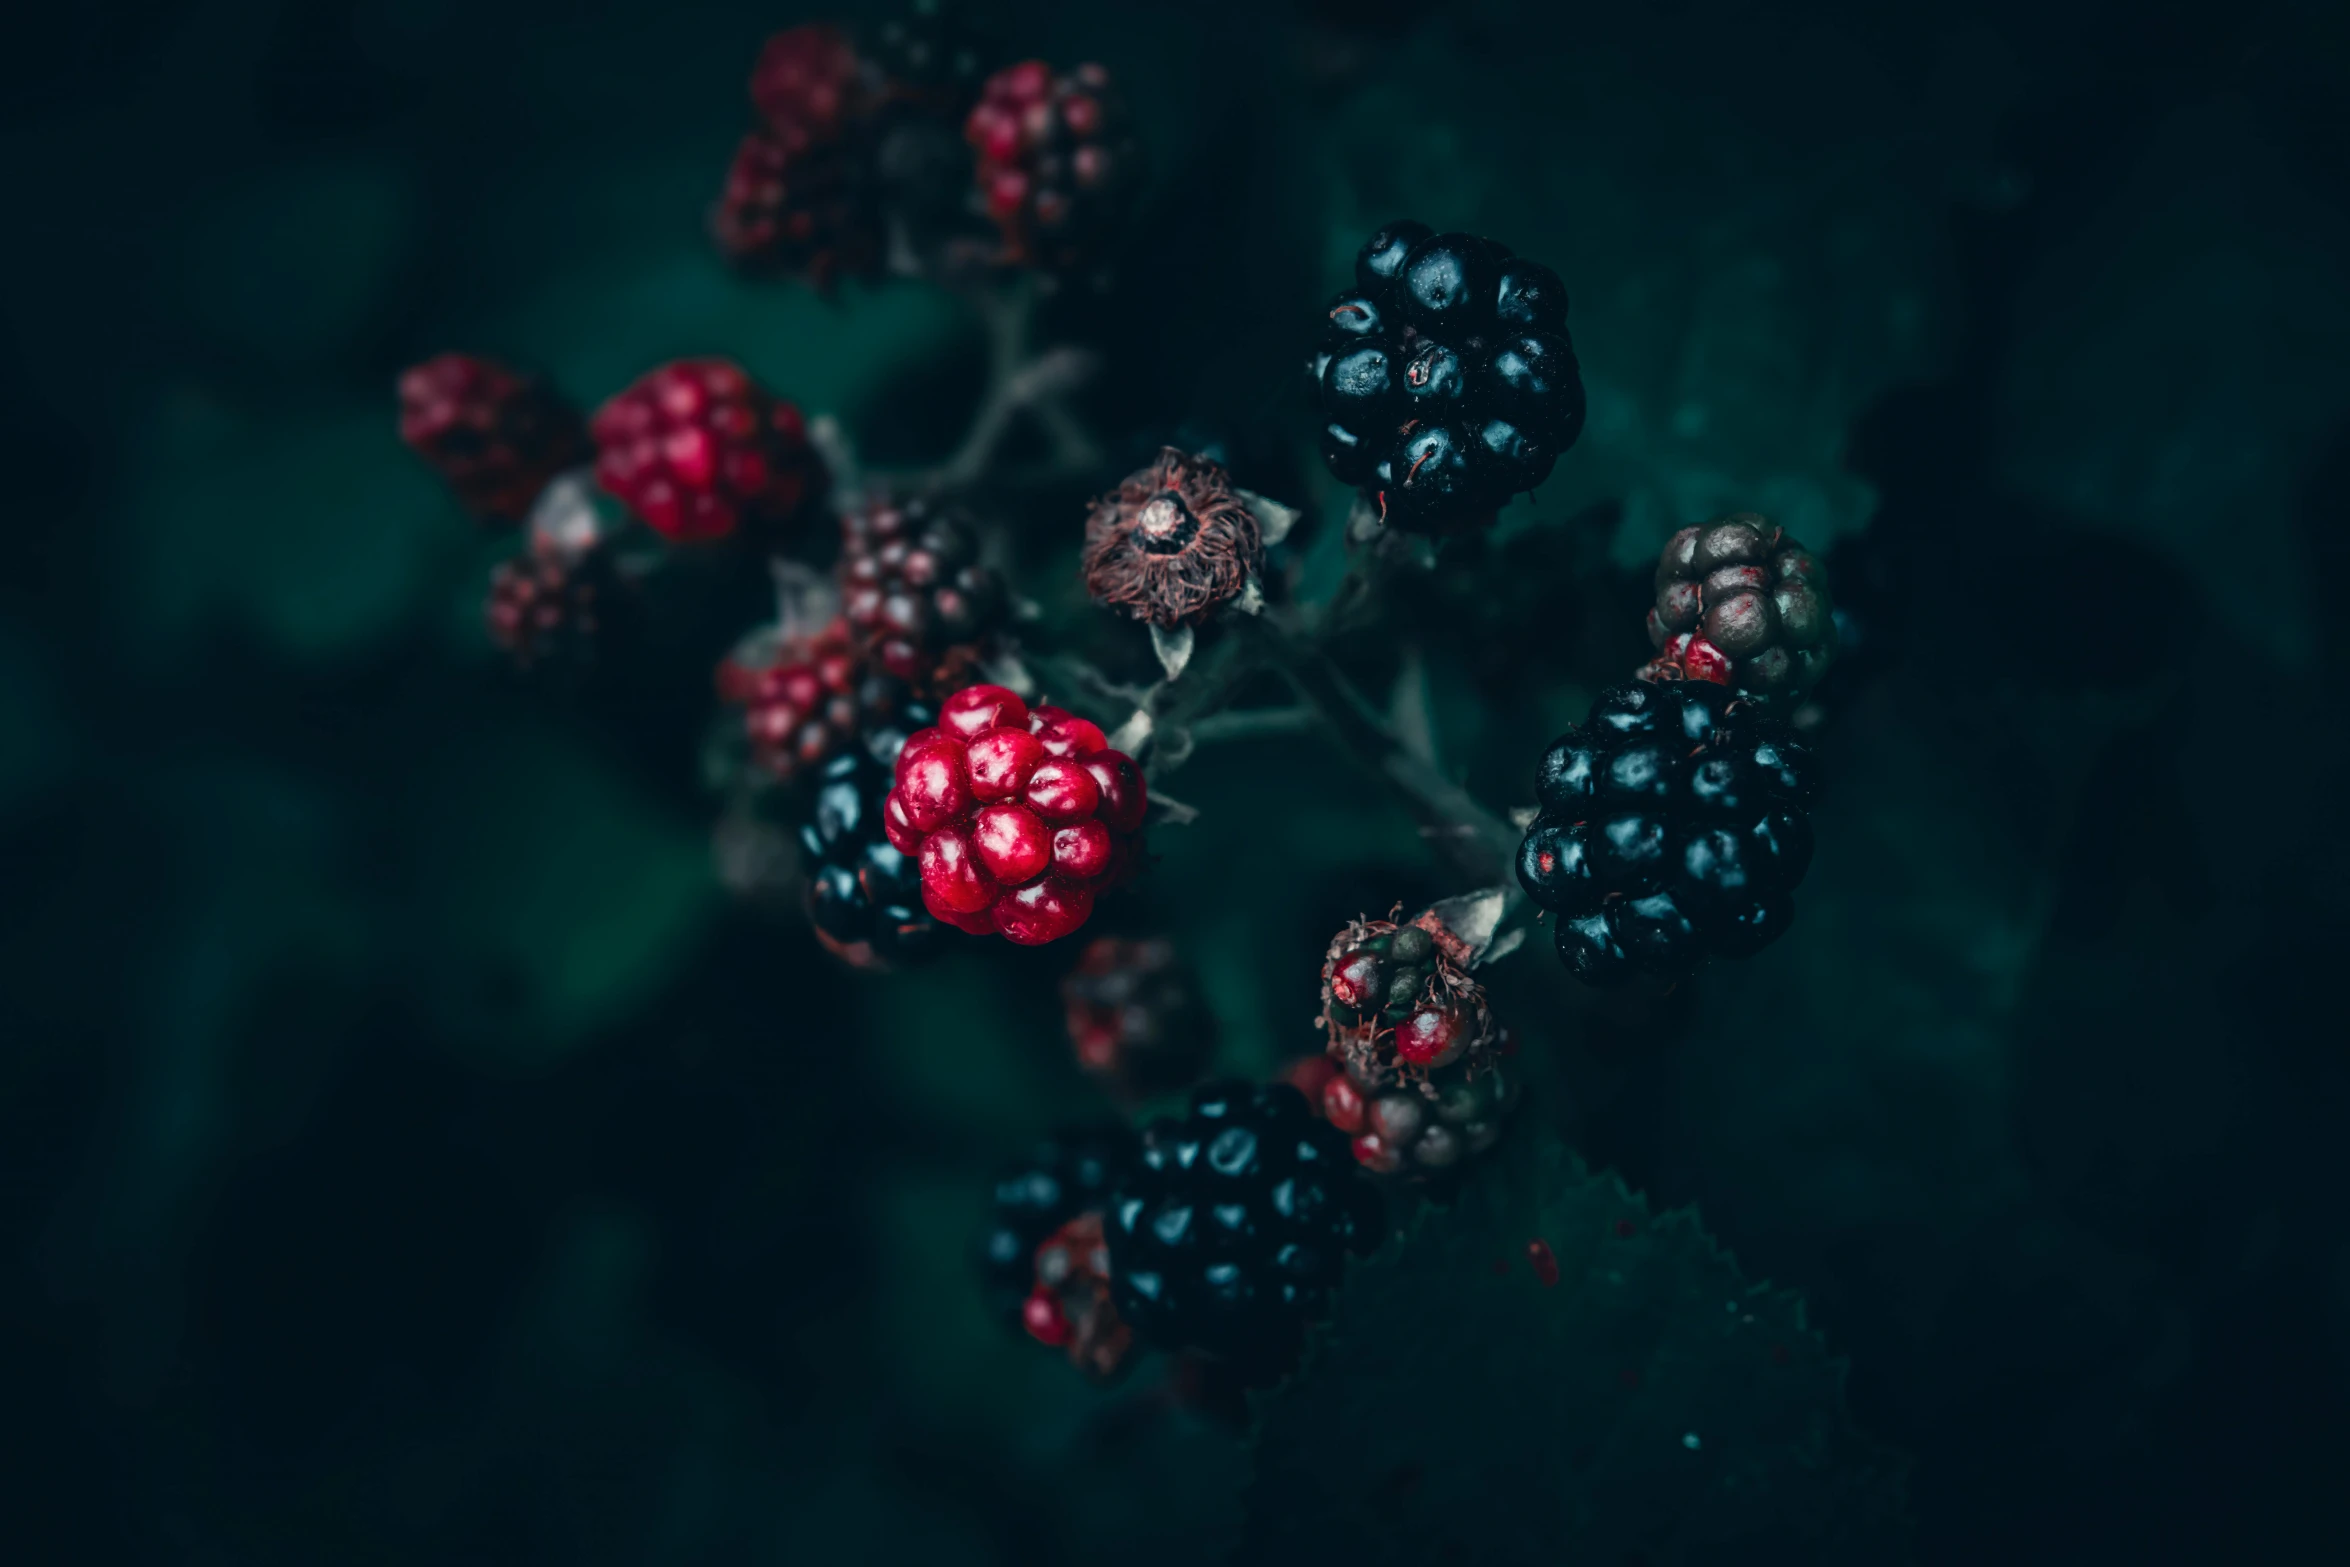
1253 723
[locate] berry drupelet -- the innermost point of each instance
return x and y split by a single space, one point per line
1173 542
1071 1173
1445 378
1741 604
697 450
1058 163
496 437
913 588
1232 1229
865 894
1672 829
1017 817
1136 1018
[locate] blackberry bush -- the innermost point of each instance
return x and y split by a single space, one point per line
1673 828
1445 379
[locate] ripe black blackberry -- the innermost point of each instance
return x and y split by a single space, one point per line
1234 1224
1445 378
864 895
1072 1172
1672 829
912 586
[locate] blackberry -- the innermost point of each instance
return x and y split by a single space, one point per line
1420 1129
1740 603
550 607
864 895
496 436
1072 1172
1673 827
1445 378
791 206
913 588
1232 1228
805 700
1058 163
1018 817
1136 1016
697 449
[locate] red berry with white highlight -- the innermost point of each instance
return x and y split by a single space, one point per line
1017 817
698 450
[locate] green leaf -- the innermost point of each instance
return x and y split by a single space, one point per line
1652 1405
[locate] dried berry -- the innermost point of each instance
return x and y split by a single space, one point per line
1172 542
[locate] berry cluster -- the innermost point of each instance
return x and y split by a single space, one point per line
799 196
1416 1074
1172 542
1017 817
551 607
1672 829
697 449
804 701
1136 1017
1067 1175
1058 162
913 588
1444 377
496 437
1233 1226
864 893
1741 604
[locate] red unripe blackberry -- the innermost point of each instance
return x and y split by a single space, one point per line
697 450
805 702
1070 1307
1011 837
1058 162
1741 604
548 607
913 587
810 84
1135 1016
796 207
495 436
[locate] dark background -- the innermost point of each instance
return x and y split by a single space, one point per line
410 1154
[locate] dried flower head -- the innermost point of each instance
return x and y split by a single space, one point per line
1172 542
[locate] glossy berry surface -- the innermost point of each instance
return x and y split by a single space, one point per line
496 437
1232 1230
913 588
1058 162
1017 817
1673 828
698 450
864 893
1444 377
1741 604
1072 1172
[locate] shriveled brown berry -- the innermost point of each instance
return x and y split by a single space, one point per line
1172 542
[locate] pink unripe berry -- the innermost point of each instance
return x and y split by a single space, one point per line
1043 911
1063 791
1012 843
951 875
976 709
1001 763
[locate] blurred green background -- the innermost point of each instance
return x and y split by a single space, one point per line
410 1153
